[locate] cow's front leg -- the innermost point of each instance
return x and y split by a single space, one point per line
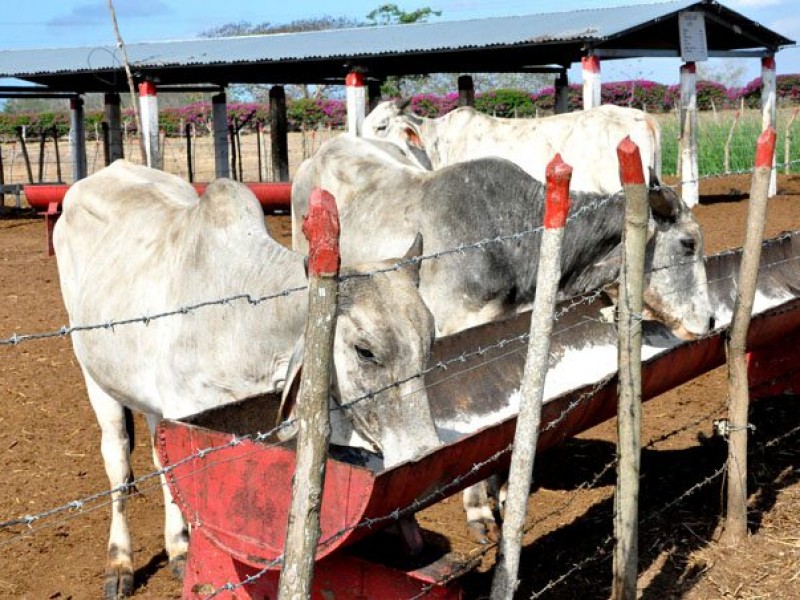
480 518
115 447
176 534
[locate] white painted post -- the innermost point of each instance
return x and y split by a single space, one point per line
529 419
113 116
591 81
219 117
769 109
148 103
356 102
77 139
690 183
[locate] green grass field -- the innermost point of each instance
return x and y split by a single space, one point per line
713 131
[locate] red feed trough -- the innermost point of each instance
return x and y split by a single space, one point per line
273 196
237 496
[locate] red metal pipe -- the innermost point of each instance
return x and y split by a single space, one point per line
273 196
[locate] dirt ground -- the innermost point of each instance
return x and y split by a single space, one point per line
49 456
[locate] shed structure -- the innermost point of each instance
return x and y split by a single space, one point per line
531 43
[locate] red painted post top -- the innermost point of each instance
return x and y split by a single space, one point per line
688 67
630 162
75 103
556 206
590 63
768 62
765 148
321 228
147 88
354 79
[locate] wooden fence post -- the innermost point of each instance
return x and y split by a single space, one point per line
629 353
736 342
321 227
189 162
530 411
787 142
24 148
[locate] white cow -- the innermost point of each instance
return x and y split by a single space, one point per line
587 140
133 241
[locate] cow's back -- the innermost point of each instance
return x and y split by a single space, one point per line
586 140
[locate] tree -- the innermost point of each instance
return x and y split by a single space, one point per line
391 14
729 72
260 93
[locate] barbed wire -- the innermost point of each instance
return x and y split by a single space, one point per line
65 330
261 437
371 396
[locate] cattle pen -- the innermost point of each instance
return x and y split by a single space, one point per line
399 531
592 480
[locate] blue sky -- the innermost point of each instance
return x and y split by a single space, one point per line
59 23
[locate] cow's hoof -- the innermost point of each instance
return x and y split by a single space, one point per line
483 532
118 583
177 565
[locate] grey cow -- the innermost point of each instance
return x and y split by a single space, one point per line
384 201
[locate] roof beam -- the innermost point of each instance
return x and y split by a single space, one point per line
652 53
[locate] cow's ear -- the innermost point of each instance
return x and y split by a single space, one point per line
413 139
287 411
664 202
415 251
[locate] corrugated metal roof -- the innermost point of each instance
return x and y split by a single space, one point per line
506 31
591 25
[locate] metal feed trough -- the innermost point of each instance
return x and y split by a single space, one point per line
237 498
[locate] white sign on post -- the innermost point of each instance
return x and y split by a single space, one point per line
692 27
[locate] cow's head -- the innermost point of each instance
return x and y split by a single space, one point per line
676 287
393 122
382 343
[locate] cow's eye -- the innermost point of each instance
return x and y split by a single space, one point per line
366 355
381 127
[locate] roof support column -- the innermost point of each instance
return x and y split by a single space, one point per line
219 117
279 133
466 91
690 184
591 81
148 106
356 102
769 109
373 94
113 116
562 93
77 139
